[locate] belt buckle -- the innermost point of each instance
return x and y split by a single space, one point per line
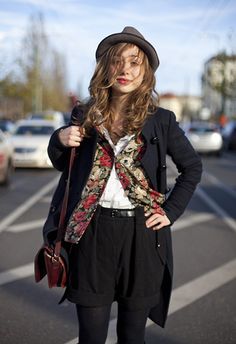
114 212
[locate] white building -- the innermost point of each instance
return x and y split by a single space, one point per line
184 106
220 73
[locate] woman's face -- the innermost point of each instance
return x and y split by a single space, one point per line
129 70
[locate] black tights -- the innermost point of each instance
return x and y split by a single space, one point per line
94 321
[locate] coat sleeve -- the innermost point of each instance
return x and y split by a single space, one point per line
189 166
57 152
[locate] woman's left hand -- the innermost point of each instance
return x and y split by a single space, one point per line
157 221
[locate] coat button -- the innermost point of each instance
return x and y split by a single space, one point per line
158 245
154 140
52 209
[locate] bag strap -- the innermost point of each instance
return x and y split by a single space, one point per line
61 226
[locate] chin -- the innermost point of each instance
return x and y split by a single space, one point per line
119 91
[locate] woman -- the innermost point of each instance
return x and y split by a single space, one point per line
118 219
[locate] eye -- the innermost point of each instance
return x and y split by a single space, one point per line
116 61
135 62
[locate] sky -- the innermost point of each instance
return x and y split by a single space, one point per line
185 33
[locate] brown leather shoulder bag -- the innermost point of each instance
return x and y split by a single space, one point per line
53 261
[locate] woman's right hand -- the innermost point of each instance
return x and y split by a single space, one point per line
71 136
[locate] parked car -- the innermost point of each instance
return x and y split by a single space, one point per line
6 158
229 135
49 115
30 141
205 137
7 126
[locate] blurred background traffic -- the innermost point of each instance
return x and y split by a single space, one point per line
48 57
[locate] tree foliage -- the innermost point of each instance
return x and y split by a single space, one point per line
40 80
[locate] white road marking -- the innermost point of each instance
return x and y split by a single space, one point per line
46 199
212 179
188 293
181 296
229 221
27 204
201 286
180 224
16 274
21 227
192 220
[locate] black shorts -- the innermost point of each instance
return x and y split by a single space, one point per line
117 259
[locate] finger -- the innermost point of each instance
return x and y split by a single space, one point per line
159 226
153 220
75 138
73 143
77 130
163 222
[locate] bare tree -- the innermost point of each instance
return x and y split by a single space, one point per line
42 69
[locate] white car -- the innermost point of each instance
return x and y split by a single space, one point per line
30 142
49 115
6 155
205 137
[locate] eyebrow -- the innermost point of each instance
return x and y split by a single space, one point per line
134 56
137 57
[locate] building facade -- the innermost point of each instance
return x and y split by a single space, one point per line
185 107
219 85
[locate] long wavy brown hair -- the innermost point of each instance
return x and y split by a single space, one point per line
139 104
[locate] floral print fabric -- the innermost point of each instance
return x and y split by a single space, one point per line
131 175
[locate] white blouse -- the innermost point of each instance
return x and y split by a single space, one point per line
113 195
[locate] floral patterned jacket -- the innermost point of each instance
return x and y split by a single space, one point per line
131 175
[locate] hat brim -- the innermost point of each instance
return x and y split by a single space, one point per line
144 45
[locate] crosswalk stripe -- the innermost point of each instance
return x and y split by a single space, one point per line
16 274
186 294
215 181
16 213
202 285
192 220
21 227
181 297
229 221
181 224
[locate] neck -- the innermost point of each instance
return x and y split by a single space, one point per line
117 104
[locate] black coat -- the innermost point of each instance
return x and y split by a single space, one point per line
163 136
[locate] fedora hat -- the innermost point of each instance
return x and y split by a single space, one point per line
129 35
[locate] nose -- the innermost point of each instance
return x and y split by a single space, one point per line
125 67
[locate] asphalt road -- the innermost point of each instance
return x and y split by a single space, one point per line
203 304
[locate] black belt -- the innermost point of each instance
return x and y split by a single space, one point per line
117 212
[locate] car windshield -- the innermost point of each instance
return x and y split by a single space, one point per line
202 130
34 130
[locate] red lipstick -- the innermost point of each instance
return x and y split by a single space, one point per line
122 81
